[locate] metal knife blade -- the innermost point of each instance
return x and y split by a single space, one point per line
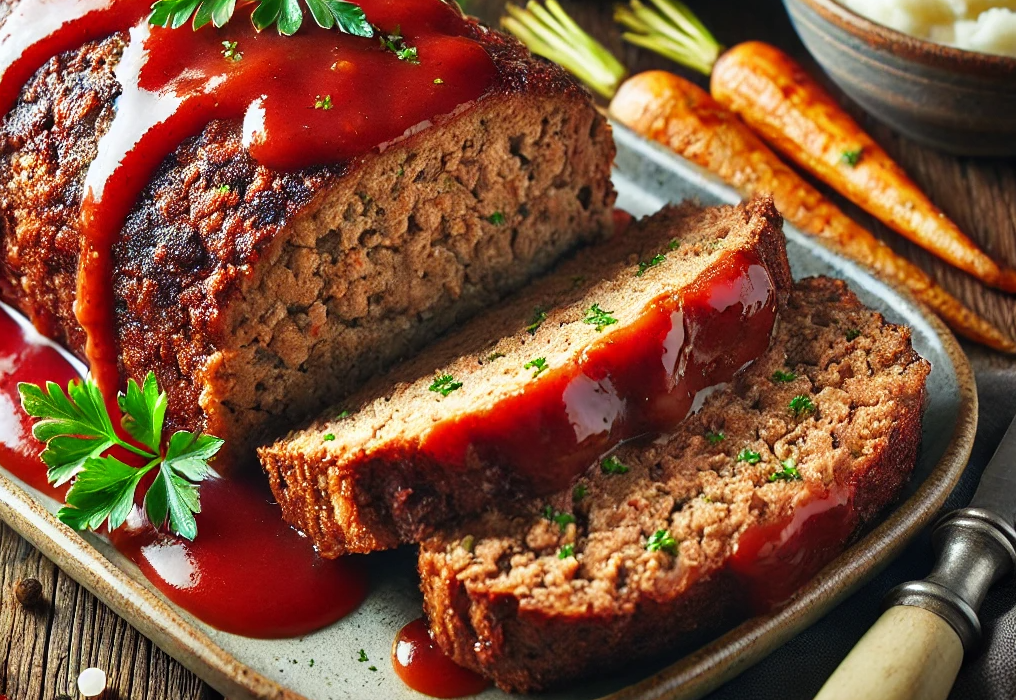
997 490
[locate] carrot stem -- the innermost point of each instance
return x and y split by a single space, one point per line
671 30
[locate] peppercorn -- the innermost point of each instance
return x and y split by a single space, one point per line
28 591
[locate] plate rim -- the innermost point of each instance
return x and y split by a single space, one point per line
691 677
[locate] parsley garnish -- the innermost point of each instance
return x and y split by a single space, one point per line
748 456
77 430
539 316
497 218
494 356
372 668
555 516
225 189
853 333
612 465
343 415
781 376
674 244
579 492
662 541
596 316
347 17
324 103
468 543
538 365
328 437
851 158
438 81
230 53
787 473
656 260
445 384
715 438
801 404
567 550
397 45
363 656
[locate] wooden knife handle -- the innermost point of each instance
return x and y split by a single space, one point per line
909 654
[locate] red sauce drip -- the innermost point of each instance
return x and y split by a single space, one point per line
421 665
175 81
246 573
776 559
642 379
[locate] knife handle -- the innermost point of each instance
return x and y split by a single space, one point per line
909 654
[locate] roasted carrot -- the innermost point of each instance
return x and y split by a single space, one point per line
776 98
679 114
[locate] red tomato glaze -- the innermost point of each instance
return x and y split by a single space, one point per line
247 572
422 665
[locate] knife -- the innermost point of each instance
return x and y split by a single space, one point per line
914 651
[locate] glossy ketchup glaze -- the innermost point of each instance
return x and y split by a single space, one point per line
247 572
317 98
421 665
640 379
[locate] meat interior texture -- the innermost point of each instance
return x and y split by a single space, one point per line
401 459
570 587
258 296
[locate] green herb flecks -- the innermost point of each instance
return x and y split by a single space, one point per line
596 316
567 550
468 543
287 15
658 259
494 356
579 492
497 218
851 158
344 415
853 334
715 438
394 42
562 519
781 377
225 189
748 456
438 81
328 437
662 541
788 471
445 384
230 52
674 244
539 316
612 465
77 430
538 365
363 657
801 404
324 103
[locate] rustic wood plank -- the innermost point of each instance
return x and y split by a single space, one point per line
42 651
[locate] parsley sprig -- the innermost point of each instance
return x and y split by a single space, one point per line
348 17
77 430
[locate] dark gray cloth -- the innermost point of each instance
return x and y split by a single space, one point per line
798 669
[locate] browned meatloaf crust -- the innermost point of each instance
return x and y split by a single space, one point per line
571 587
398 458
256 302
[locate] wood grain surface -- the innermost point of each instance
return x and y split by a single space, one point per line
43 649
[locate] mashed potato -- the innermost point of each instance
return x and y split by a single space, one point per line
988 26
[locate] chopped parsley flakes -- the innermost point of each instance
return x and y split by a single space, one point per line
612 465
230 53
567 550
468 543
658 259
555 516
497 218
851 158
715 438
445 384
324 103
395 43
539 316
579 492
343 416
801 404
674 244
438 81
328 437
538 365
784 377
748 456
363 656
662 541
787 472
853 333
225 189
494 356
596 316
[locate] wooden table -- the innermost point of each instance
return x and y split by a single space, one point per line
42 651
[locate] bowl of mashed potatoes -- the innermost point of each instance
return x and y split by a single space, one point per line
941 71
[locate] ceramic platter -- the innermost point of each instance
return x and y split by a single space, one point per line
646 177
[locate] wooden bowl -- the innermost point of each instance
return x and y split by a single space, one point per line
958 101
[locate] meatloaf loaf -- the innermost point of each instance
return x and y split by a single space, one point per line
617 342
256 295
661 543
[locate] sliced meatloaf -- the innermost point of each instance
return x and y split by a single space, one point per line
616 342
660 543
256 296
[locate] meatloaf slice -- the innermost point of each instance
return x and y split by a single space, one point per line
617 342
256 296
662 543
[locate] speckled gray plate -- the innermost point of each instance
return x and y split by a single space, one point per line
646 178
